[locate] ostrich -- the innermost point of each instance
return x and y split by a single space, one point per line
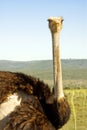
26 103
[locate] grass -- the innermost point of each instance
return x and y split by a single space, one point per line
78 102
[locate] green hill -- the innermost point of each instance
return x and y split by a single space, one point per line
72 69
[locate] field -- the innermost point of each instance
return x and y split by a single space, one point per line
78 102
74 82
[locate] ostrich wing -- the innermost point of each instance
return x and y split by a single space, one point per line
27 114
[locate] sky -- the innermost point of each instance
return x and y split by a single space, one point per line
24 32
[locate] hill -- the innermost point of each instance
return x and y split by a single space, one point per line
72 69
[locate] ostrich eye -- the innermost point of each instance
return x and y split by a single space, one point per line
62 20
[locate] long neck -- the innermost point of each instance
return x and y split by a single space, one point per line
58 86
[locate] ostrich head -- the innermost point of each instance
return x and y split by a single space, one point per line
55 23
59 110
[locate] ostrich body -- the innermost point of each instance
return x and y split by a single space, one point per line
26 103
21 99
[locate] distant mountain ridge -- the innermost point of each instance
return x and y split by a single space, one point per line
72 68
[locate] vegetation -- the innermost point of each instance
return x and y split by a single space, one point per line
74 82
78 101
72 69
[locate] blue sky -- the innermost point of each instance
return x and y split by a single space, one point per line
24 32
